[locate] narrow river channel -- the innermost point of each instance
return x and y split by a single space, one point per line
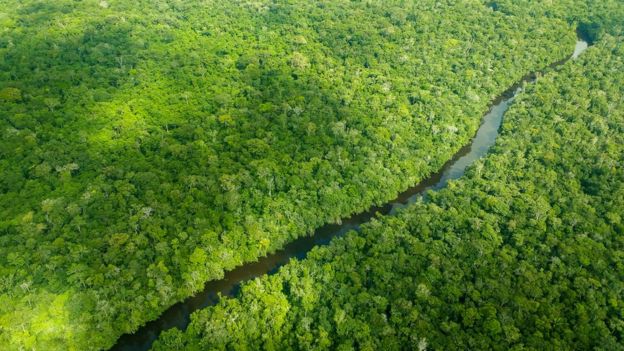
179 314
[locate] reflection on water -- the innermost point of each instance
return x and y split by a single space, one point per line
581 45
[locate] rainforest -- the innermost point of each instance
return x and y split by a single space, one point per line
311 175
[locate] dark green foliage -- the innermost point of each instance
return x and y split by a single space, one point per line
525 252
593 18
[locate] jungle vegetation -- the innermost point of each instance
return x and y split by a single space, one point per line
525 252
147 146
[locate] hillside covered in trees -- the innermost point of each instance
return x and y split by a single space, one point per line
148 146
525 252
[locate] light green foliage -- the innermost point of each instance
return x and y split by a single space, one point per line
525 252
9 94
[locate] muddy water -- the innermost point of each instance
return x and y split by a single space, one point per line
179 314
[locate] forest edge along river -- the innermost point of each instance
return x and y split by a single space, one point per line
179 314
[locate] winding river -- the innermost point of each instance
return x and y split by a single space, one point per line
179 314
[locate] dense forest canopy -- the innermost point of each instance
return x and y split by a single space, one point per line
525 252
147 146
